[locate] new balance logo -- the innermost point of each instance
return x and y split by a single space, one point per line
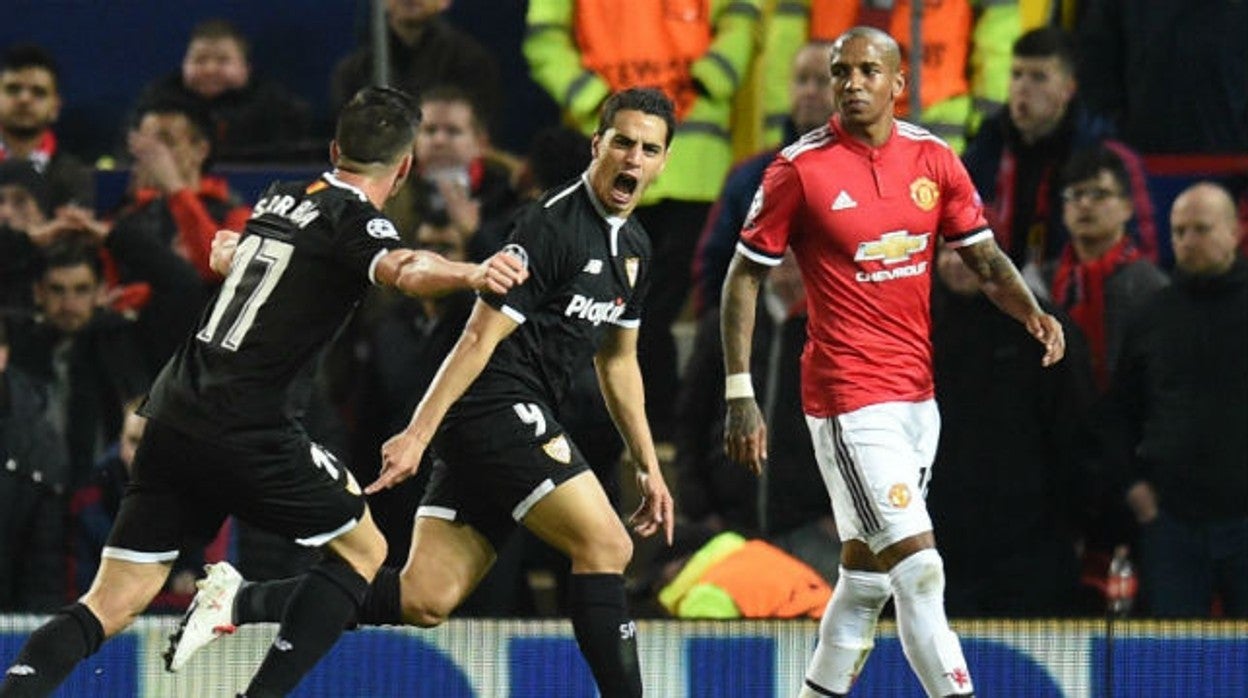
21 670
843 201
593 266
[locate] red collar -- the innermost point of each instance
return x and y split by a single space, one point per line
41 155
856 144
210 187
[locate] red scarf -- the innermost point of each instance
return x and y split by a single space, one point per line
1002 209
40 156
1079 287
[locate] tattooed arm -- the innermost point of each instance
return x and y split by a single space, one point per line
745 434
1006 288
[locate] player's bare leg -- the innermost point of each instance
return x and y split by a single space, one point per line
121 591
444 564
578 520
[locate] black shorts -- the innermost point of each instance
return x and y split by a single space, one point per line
183 487
491 470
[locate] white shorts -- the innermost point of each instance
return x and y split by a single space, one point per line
876 462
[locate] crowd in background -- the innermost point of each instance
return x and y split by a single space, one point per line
1135 444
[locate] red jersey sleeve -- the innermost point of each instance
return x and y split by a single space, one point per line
765 234
962 219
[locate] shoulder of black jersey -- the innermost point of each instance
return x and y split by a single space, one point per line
633 229
566 194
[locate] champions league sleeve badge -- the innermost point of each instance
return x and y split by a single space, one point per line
518 252
382 229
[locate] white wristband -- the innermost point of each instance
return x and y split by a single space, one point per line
738 385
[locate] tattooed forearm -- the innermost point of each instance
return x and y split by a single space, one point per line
740 298
1002 282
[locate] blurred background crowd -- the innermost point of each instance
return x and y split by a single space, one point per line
1107 138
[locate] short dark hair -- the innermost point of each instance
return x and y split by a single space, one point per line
377 126
1088 163
70 250
27 55
648 100
557 154
217 28
197 116
22 173
454 94
1048 42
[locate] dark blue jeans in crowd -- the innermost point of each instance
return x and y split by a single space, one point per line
1184 563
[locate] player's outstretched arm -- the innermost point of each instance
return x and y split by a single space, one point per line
1005 287
745 433
400 455
427 274
620 379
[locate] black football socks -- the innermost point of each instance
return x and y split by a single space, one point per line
52 652
605 633
325 602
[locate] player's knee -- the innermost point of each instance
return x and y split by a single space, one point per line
429 610
609 551
921 574
862 589
373 559
366 558
115 613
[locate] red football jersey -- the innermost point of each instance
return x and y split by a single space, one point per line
862 223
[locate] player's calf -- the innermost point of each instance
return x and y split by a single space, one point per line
605 633
932 649
52 652
846 632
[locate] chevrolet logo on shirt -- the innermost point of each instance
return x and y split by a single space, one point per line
892 247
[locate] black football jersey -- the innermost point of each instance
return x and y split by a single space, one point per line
588 271
302 264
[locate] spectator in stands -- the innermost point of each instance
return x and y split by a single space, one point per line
1009 442
810 105
148 280
87 355
1243 219
964 68
1017 156
1173 74
32 494
793 510
580 52
425 51
1101 277
30 102
457 180
1181 397
23 227
171 197
94 508
252 119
